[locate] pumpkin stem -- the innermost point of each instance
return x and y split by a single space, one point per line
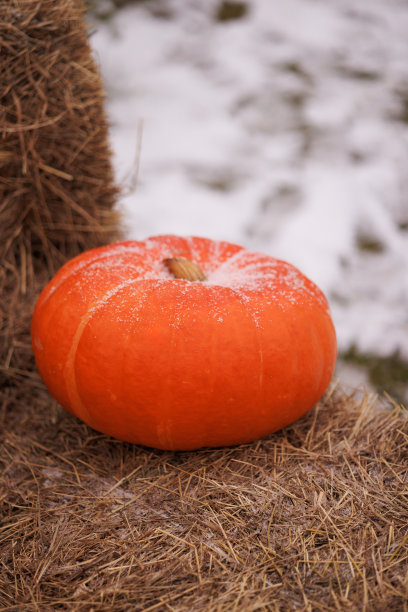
185 269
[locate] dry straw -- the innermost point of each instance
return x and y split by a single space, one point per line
313 518
56 184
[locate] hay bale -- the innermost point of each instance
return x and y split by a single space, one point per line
56 183
312 518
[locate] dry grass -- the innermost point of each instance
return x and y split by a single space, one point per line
313 518
56 184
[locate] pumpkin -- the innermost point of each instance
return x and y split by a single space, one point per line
179 343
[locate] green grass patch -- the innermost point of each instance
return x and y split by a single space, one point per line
389 374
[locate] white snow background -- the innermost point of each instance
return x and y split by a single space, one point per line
285 131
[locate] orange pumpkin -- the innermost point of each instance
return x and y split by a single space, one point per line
179 343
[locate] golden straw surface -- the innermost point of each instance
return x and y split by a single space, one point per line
312 518
56 183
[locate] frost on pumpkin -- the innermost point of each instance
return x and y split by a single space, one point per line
105 271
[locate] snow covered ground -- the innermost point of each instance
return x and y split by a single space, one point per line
285 130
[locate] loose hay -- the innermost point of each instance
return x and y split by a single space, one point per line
56 184
313 518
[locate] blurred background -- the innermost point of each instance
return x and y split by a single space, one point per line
279 126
